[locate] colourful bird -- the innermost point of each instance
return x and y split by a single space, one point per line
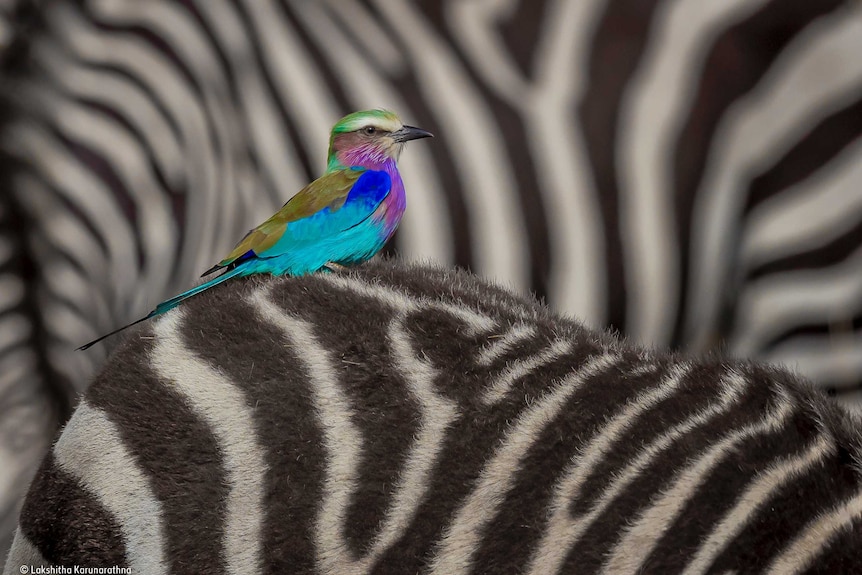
342 218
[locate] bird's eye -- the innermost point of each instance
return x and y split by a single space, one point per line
370 130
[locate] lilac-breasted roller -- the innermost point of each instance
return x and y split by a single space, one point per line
342 218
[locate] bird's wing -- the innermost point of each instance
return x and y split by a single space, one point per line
330 204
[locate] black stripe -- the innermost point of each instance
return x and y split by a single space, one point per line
233 77
252 353
812 153
617 49
719 493
67 524
384 411
842 554
115 31
521 31
321 66
218 50
839 250
25 263
736 62
71 209
452 286
514 134
266 75
591 550
852 321
97 165
452 187
176 451
153 39
103 169
470 443
515 531
162 107
696 391
803 499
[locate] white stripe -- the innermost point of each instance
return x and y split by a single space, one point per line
64 239
179 29
577 282
475 27
425 233
463 535
118 93
597 448
436 415
22 552
92 451
157 233
11 290
94 200
652 111
137 58
475 321
222 405
343 441
834 358
476 143
819 70
564 530
277 156
816 537
16 367
366 30
505 343
757 494
782 300
644 531
808 215
502 384
547 104
17 329
301 89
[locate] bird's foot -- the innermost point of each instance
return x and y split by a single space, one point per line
334 267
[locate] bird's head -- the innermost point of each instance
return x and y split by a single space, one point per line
369 138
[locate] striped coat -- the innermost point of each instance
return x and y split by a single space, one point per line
410 420
684 171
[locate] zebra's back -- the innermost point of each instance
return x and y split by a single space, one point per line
410 420
684 172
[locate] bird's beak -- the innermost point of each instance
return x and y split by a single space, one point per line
407 133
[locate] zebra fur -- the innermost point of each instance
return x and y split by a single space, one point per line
704 189
404 419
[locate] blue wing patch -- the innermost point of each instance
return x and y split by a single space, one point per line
369 190
364 196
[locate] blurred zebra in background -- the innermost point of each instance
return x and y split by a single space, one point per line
684 171
447 428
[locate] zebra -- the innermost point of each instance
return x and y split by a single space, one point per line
683 171
405 419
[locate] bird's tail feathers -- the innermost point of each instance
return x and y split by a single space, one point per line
170 304
116 331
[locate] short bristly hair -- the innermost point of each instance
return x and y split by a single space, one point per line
407 419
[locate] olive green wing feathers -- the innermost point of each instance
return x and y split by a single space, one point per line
316 209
